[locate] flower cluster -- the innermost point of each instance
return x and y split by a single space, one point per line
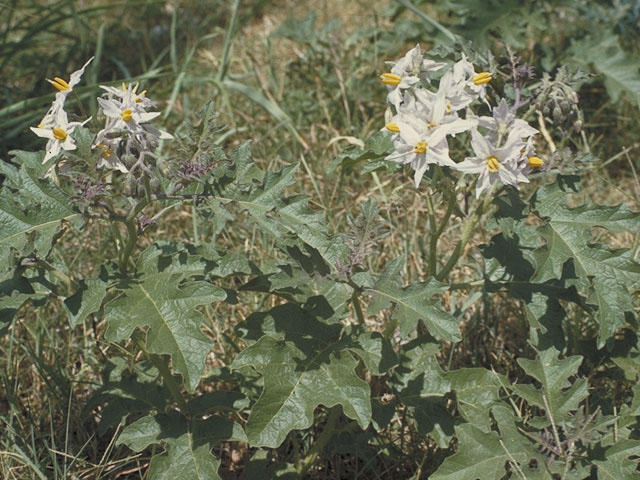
126 137
126 129
55 125
424 117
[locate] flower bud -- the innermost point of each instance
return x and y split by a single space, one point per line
156 185
128 159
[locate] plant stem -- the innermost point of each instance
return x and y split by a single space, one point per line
321 442
467 230
194 224
132 240
132 231
435 236
355 299
68 282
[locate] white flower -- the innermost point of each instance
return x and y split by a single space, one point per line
59 135
108 154
65 88
128 94
406 72
504 122
412 147
469 84
49 119
494 164
528 160
421 128
126 114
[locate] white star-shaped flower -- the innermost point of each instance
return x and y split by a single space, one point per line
494 164
406 72
59 135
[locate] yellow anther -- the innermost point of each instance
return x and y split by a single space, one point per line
107 151
126 115
60 84
535 162
420 147
482 78
390 79
493 164
59 134
124 87
448 107
392 127
139 97
431 125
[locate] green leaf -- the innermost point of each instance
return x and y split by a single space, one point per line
477 390
375 352
188 444
520 445
88 299
284 218
307 277
127 390
15 291
32 211
223 400
558 396
421 385
504 19
304 364
412 303
487 454
603 53
372 152
161 298
480 455
617 463
604 275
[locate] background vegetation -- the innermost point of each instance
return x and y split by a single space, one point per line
300 80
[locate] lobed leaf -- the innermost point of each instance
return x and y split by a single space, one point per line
188 444
477 390
304 363
558 396
421 385
412 303
160 297
603 275
489 455
284 218
620 70
32 211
